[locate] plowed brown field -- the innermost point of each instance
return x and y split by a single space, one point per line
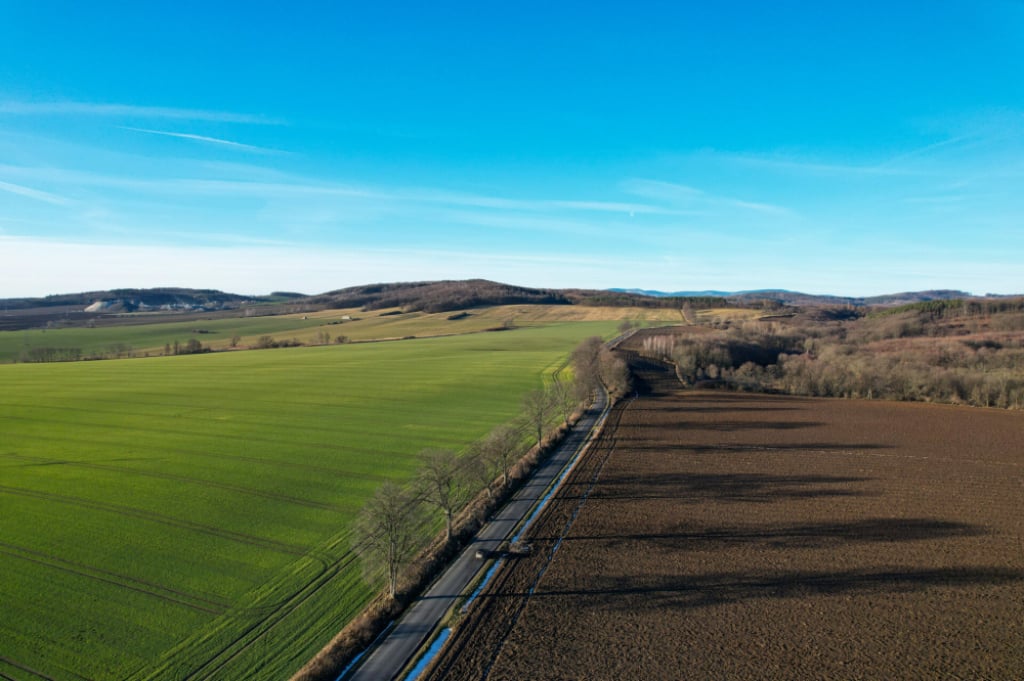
715 535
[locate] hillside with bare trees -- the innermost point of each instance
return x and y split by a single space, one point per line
958 352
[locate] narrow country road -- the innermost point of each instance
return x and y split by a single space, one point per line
391 655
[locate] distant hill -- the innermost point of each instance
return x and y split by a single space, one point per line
629 298
427 296
80 308
445 296
674 294
785 297
439 296
134 299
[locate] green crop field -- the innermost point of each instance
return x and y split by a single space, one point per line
135 335
188 517
142 334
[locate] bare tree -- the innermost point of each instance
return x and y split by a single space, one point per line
614 372
442 483
497 452
586 367
388 532
537 408
563 398
481 466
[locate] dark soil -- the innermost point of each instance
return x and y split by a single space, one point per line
717 535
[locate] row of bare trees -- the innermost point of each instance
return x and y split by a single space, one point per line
395 523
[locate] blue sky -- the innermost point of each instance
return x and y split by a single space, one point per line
854 148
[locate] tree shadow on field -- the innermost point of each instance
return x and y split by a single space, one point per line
698 488
688 409
652 378
673 592
703 397
822 447
663 429
793 536
644 445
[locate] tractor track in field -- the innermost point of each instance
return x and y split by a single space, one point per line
189 479
180 411
178 451
229 438
243 641
121 581
17 665
281 610
229 457
270 616
129 512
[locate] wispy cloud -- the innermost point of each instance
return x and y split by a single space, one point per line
287 186
928 149
36 194
443 196
661 190
72 108
961 138
527 222
203 138
295 186
946 200
685 195
604 206
809 166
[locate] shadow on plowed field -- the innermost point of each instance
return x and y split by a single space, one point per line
732 426
697 488
795 536
642 445
662 592
728 535
714 410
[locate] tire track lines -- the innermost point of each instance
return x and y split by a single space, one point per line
336 567
121 581
180 451
84 569
151 516
278 443
271 615
281 611
189 479
250 636
38 674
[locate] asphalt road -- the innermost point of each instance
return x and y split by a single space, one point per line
392 653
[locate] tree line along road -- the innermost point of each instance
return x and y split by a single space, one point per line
391 655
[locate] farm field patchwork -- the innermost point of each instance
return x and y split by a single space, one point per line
742 536
148 335
143 334
188 517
